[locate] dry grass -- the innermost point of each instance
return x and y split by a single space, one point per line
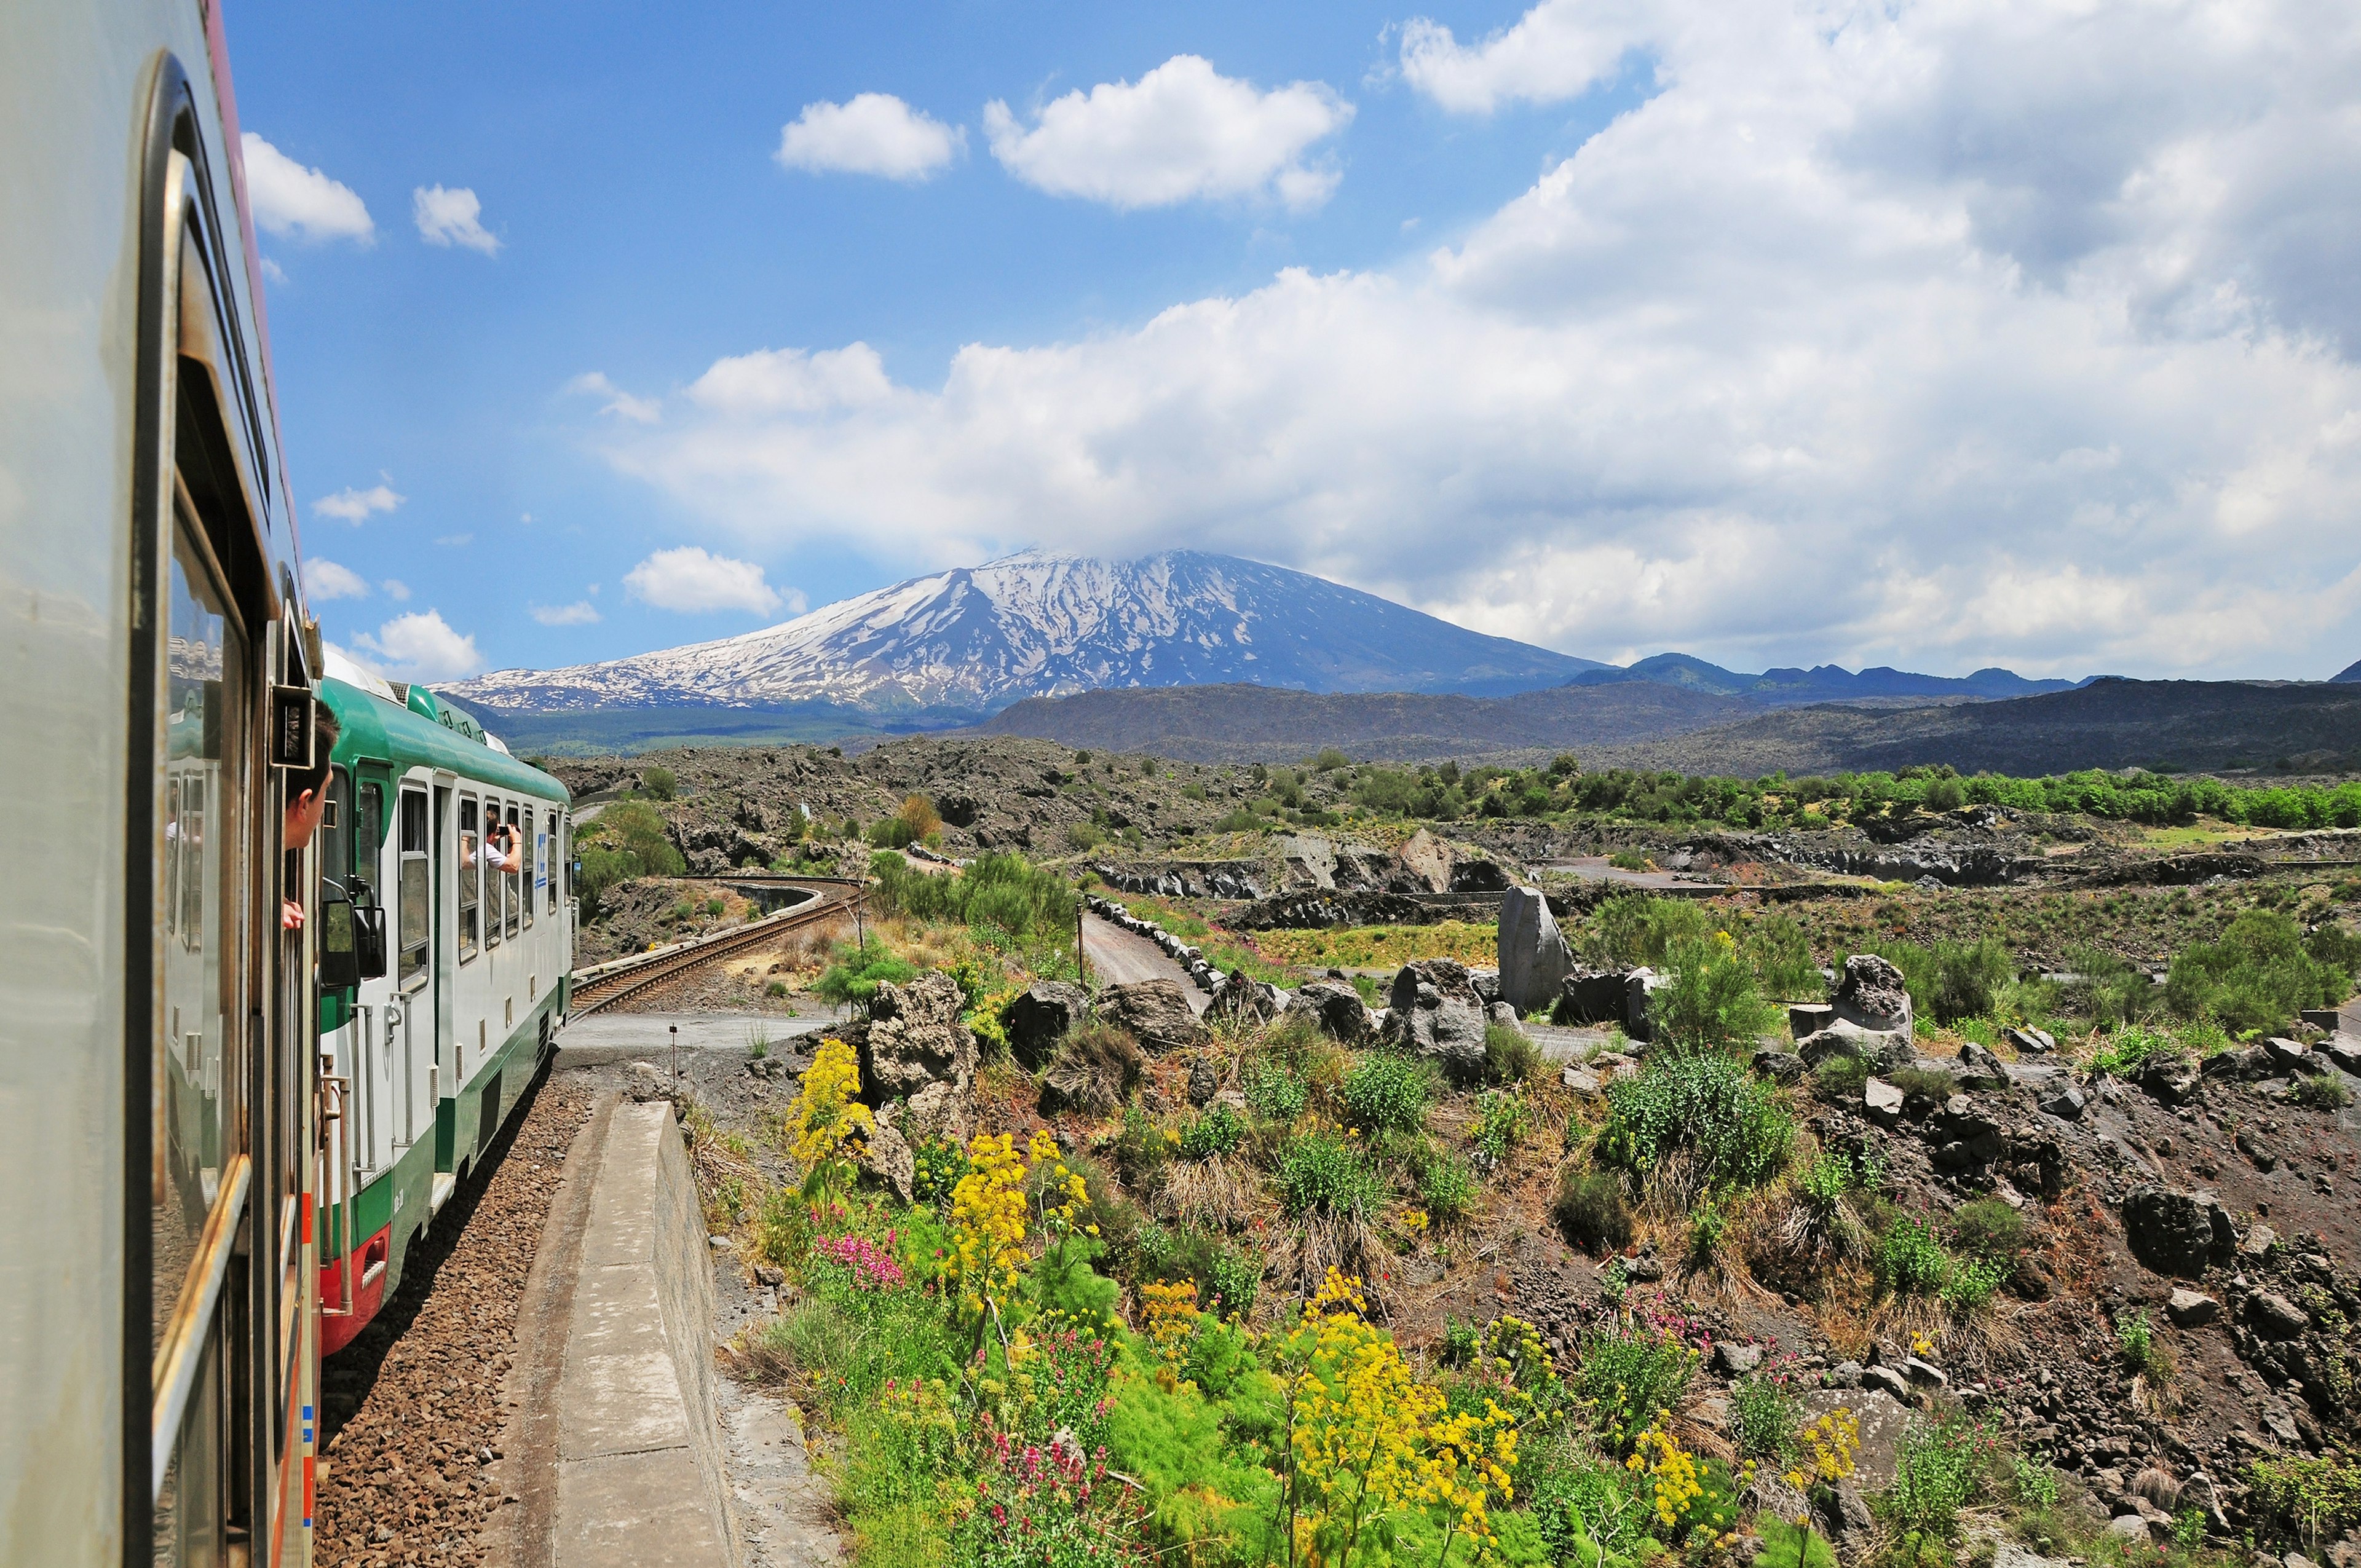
1218 1192
1351 1245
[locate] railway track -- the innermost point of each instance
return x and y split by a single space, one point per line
611 984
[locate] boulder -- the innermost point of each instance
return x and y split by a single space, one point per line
2275 1317
1980 1069
887 1156
2293 1057
1878 1052
1733 1359
1155 1014
1204 1083
1435 1012
1873 996
2171 1079
1335 1009
1637 987
1500 1015
2177 1233
2032 1042
2258 1243
1882 1100
1534 958
915 1040
2192 1309
1040 1016
2343 1051
1778 1066
1809 1017
1245 999
1593 996
1581 1080
1428 860
2067 1104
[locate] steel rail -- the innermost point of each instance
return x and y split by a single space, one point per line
610 989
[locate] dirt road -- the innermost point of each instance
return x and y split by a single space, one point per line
1119 958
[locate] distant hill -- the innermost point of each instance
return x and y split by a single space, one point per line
1823 683
2110 723
1249 724
2348 674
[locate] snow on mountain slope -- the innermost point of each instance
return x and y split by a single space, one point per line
976 639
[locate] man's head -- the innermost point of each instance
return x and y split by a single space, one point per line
307 788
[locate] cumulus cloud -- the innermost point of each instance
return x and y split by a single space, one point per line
452 217
421 646
874 132
621 404
290 200
1943 334
356 506
581 612
396 589
1558 49
1184 132
692 581
325 579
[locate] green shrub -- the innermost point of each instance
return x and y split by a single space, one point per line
2260 973
1388 1090
1503 1121
2130 1048
1629 1373
1509 1055
1765 1417
658 782
2317 1499
1461 1339
1216 1132
1320 1171
858 972
1938 1469
1840 1080
1788 1545
627 840
1911 1261
1935 1084
1590 1209
1781 955
1448 1188
1635 930
2034 1480
2135 1337
1973 1282
1969 977
2324 1092
1706 1104
936 1165
1987 1228
1271 1089
1711 1001
1229 1281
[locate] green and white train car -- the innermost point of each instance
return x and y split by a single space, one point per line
426 1057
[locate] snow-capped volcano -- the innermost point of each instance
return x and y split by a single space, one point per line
973 639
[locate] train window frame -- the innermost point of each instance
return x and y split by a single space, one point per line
514 881
407 978
530 842
550 858
368 832
496 886
471 881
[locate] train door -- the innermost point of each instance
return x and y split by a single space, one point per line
413 1007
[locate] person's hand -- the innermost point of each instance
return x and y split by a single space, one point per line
290 914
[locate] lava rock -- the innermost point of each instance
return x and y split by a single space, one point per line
2067 1104
1534 958
1872 995
1155 1014
1593 996
2275 1317
915 1040
2177 1233
2192 1309
2171 1079
1039 1016
2250 1144
1980 1069
1337 1011
1809 1017
1435 1012
1733 1360
1778 1066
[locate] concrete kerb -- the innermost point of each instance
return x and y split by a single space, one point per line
641 1480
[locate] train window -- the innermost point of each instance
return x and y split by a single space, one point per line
195 1102
548 869
515 879
368 834
496 886
417 888
470 879
529 880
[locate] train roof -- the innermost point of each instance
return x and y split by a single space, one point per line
419 732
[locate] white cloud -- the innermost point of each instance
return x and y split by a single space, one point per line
1558 49
690 580
355 506
621 404
421 646
581 612
396 589
290 200
451 217
273 271
1184 132
1945 335
455 540
323 579
874 133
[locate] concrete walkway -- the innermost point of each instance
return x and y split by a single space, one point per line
1118 957
622 1036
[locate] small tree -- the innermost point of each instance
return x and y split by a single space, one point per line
919 816
659 782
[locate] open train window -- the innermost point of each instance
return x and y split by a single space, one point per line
496 886
336 833
416 889
515 879
471 874
529 880
368 834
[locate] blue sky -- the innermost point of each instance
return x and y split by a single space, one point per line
1941 337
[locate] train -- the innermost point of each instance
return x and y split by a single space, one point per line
443 979
241 1064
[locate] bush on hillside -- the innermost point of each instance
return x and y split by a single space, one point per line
1706 1105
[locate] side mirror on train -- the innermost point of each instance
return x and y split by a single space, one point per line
368 940
340 960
